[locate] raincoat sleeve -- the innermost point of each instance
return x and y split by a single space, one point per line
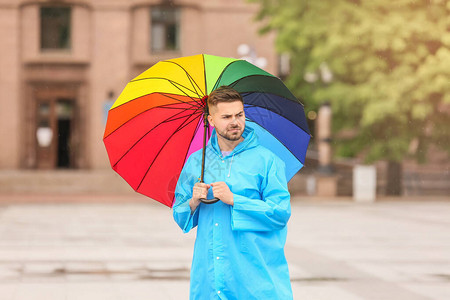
183 193
272 212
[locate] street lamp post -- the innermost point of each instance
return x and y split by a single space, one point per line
323 122
326 180
323 137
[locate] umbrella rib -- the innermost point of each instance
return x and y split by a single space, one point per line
249 120
251 105
177 118
162 122
176 85
173 83
183 125
162 94
239 79
269 93
194 108
192 82
192 139
169 107
204 74
232 84
190 78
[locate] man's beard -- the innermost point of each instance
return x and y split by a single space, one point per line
231 136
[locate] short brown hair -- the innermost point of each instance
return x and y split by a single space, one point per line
224 94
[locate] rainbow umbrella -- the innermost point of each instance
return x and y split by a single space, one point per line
158 120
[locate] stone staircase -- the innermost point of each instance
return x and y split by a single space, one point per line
62 182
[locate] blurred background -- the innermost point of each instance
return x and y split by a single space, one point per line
374 77
63 63
375 85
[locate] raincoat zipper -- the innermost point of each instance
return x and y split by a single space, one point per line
231 163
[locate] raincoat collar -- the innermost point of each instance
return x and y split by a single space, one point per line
250 141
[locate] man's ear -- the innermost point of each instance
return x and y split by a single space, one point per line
210 120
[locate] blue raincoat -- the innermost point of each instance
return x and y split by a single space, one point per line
239 250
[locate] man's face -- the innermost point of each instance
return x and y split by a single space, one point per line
229 119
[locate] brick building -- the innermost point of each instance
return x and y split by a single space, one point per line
61 61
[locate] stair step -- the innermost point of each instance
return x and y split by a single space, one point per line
63 182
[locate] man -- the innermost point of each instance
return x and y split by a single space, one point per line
239 249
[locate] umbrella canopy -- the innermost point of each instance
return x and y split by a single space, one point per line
157 122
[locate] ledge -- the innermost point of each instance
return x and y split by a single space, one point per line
56 61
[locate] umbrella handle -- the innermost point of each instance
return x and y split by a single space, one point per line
205 131
209 201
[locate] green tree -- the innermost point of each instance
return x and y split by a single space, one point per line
391 67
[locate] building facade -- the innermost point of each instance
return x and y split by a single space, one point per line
62 64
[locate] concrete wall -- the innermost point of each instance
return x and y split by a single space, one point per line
10 103
110 69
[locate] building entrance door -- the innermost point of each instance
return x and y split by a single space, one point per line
54 132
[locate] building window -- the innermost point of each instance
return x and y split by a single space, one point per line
55 28
165 29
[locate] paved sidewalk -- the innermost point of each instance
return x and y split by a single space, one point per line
130 251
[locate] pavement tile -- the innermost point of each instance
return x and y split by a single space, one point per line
380 270
424 272
322 292
8 290
86 271
154 289
40 291
9 275
42 267
11 266
14 253
87 277
430 290
176 290
92 291
296 272
336 250
84 267
123 267
127 277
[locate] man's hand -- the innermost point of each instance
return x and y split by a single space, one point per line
222 191
200 190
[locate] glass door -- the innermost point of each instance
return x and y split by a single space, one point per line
54 131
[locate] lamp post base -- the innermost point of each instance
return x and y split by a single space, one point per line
326 185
